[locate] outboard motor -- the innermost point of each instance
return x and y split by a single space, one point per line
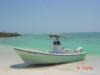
79 50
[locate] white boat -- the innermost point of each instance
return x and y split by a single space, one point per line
57 55
35 57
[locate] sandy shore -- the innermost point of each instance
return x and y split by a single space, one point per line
11 64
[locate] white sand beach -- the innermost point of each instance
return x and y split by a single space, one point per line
11 64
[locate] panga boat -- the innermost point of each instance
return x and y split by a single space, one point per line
57 55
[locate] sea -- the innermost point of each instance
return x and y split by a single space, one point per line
90 41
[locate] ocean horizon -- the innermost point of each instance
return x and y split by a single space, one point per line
90 41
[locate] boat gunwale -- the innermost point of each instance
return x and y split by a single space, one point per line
55 54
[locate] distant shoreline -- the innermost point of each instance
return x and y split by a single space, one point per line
9 34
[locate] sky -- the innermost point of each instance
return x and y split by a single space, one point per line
49 16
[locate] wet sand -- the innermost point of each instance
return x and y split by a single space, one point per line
11 64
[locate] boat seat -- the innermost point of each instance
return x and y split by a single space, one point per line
67 51
56 51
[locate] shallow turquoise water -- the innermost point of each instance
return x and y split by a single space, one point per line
89 41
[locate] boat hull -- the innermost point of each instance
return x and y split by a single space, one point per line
32 57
